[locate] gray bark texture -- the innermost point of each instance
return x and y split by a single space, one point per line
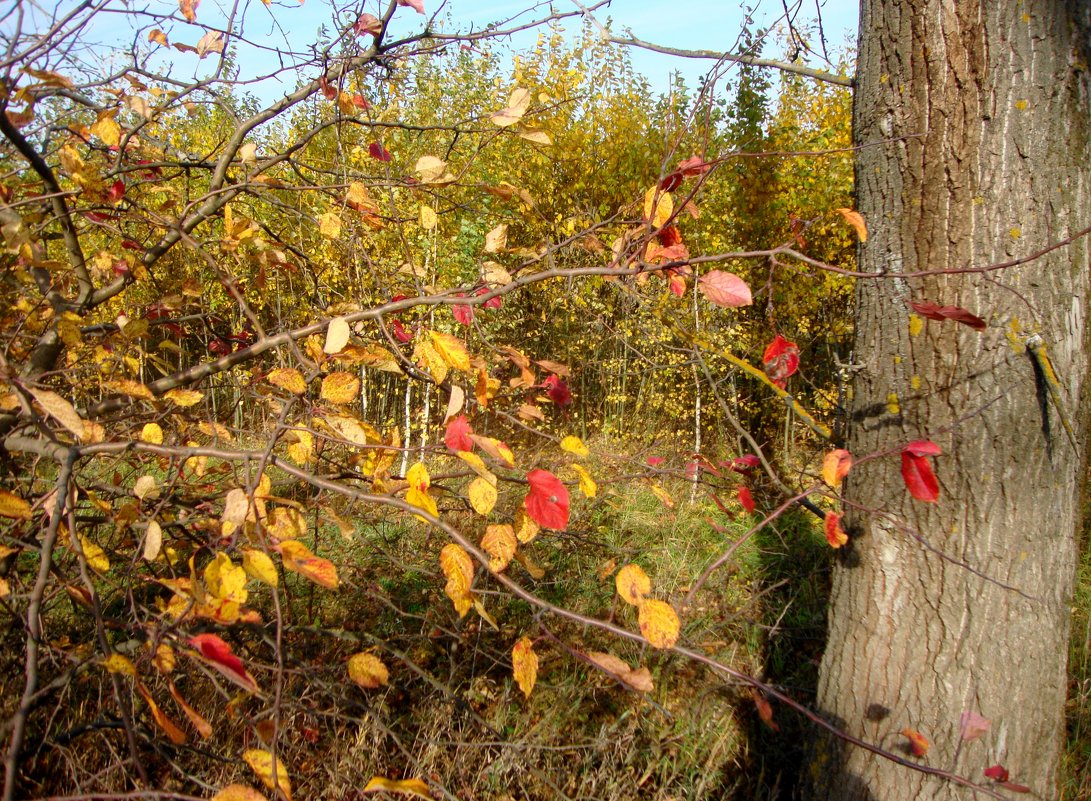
973 124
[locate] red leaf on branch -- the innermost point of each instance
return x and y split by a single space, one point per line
378 152
956 313
367 23
457 436
781 360
918 743
547 501
917 471
835 535
746 499
399 331
655 461
742 464
557 390
997 773
491 303
116 192
669 235
463 312
328 91
694 165
218 654
725 289
765 709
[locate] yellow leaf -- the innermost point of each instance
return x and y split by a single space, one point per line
157 36
126 386
499 543
658 623
428 218
163 658
13 506
426 355
95 556
59 409
184 397
482 496
658 206
835 466
408 786
458 567
273 775
258 565
524 665
368 671
451 350
340 388
856 220
495 448
575 445
478 465
587 484
496 239
297 557
417 494
661 494
632 584
300 450
153 433
288 378
526 529
225 580
120 664
236 509
337 335
107 129
432 170
238 792
329 225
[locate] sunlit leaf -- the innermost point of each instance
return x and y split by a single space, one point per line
835 466
639 679
259 565
184 397
417 493
288 378
59 409
337 335
856 220
329 225
835 535
518 103
368 671
496 239
451 349
658 623
238 792
94 555
499 543
658 206
340 388
413 787
524 664
632 584
273 774
587 484
526 529
153 541
918 743
725 289
917 470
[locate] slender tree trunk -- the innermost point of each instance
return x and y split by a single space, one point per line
972 119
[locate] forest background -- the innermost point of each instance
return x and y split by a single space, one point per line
445 314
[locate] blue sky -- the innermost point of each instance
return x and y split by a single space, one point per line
690 24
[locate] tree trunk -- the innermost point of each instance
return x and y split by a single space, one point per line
972 119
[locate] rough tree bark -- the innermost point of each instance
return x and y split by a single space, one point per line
973 123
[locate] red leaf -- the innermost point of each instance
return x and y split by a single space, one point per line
765 709
418 5
694 165
781 359
463 312
219 655
457 437
917 471
835 535
557 390
743 464
378 152
117 191
329 92
655 461
671 182
399 331
725 289
923 447
746 499
1015 788
678 285
491 303
997 773
669 235
956 313
547 501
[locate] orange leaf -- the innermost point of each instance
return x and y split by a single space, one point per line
856 220
176 735
499 543
238 792
368 671
918 744
273 774
835 466
297 557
